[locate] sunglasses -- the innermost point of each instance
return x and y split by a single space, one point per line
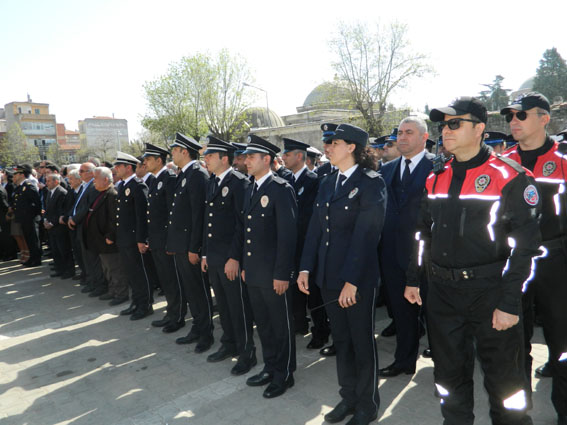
454 123
388 144
521 115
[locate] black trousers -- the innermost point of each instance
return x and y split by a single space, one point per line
274 321
8 246
198 296
357 357
77 250
114 274
459 315
60 244
234 310
302 302
31 235
133 265
171 285
151 270
549 287
93 267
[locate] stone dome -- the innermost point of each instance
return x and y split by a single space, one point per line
257 117
528 84
326 95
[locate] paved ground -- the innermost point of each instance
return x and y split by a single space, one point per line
66 358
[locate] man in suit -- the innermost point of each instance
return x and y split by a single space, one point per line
269 234
75 181
328 132
132 235
222 256
185 238
160 199
305 184
405 180
59 240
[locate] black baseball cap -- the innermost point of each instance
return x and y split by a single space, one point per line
528 101
461 106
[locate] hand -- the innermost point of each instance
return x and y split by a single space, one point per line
243 276
61 220
231 269
142 247
502 321
303 282
194 258
109 242
204 265
411 294
47 225
347 297
71 224
280 286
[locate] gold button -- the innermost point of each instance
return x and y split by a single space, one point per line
210 224
118 209
170 222
148 220
248 241
346 207
118 224
328 230
210 214
171 213
249 230
173 203
249 217
327 217
249 254
210 235
211 204
327 204
327 243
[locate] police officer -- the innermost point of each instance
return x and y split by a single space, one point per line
185 238
342 246
305 184
479 226
27 211
160 198
328 131
222 255
132 234
313 155
496 140
528 116
269 239
239 162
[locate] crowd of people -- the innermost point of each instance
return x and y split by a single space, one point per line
465 237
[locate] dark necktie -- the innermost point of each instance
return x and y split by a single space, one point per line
254 189
340 182
407 174
217 182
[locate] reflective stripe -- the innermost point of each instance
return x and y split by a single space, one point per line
548 180
288 336
516 401
502 170
438 195
493 217
147 280
180 289
243 309
420 253
557 200
481 197
442 390
207 293
533 266
375 374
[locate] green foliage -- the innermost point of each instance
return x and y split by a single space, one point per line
551 76
496 97
16 149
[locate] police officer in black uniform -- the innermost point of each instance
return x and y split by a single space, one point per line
132 234
222 255
185 238
27 211
269 239
328 131
305 184
342 247
478 227
160 198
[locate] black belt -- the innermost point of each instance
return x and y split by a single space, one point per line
468 273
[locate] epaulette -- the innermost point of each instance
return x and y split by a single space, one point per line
370 173
278 179
196 165
517 167
239 175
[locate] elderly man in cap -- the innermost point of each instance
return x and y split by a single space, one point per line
222 255
390 149
132 235
185 238
160 199
269 235
478 228
529 116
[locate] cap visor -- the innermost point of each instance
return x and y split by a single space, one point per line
438 114
515 106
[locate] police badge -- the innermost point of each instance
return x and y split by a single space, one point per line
264 200
159 185
224 191
127 192
300 191
481 183
353 193
548 168
183 182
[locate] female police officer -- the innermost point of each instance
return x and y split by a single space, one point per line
342 246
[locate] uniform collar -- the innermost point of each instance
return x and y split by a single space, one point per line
298 174
223 175
188 165
129 178
161 171
263 179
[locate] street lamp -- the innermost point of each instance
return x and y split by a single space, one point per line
267 107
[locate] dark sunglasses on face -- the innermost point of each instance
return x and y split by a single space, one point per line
454 123
388 144
521 115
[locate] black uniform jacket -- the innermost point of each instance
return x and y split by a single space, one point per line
269 233
27 205
223 213
185 226
324 170
284 173
344 231
101 224
55 205
160 198
305 192
131 213
473 214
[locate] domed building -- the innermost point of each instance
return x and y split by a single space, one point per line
325 96
258 117
526 87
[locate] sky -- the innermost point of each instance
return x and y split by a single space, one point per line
91 58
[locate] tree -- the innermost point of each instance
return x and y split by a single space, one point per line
496 97
55 154
371 65
551 76
16 149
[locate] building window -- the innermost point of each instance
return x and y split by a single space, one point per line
37 111
43 142
19 110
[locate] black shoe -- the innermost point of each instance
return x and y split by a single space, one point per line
56 274
105 297
203 345
275 390
87 289
117 301
129 310
317 343
329 351
172 327
189 339
98 292
260 379
30 263
362 418
77 277
389 330
302 330
70 275
421 330
141 313
393 370
243 366
161 323
427 353
561 419
222 354
544 371
339 413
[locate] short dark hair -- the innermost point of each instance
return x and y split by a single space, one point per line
193 154
230 156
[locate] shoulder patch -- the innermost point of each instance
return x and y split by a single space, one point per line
239 175
510 162
371 173
278 179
